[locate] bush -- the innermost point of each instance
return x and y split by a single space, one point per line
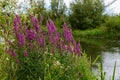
113 24
86 14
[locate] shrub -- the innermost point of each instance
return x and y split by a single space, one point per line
113 24
86 14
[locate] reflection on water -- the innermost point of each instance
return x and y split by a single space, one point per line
110 52
109 59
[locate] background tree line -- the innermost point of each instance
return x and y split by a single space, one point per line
81 14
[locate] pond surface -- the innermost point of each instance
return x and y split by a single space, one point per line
110 52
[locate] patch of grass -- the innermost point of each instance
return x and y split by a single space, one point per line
101 32
98 32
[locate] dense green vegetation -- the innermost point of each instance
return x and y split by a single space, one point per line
85 18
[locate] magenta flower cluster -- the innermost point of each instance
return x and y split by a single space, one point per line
34 38
67 33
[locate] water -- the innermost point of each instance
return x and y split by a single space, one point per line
110 52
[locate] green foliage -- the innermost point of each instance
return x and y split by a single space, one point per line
4 61
96 33
67 67
113 24
58 12
86 14
113 76
8 6
58 7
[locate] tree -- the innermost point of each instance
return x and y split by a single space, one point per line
58 8
86 13
58 11
8 6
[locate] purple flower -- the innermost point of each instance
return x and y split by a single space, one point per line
25 53
75 46
51 39
67 33
56 38
30 34
45 33
15 25
51 27
13 53
37 25
32 20
21 39
18 19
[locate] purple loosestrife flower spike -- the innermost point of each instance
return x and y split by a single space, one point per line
32 20
30 34
25 53
37 25
52 25
67 33
75 46
21 39
18 19
15 25
14 54
43 42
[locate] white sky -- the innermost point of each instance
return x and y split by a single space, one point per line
112 9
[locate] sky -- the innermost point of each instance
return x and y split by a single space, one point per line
112 9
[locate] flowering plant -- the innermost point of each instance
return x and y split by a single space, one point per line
37 52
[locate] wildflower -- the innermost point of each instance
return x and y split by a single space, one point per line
18 19
14 54
75 46
21 39
37 25
45 33
30 34
51 27
67 33
56 38
51 39
25 53
15 25
32 20
42 41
